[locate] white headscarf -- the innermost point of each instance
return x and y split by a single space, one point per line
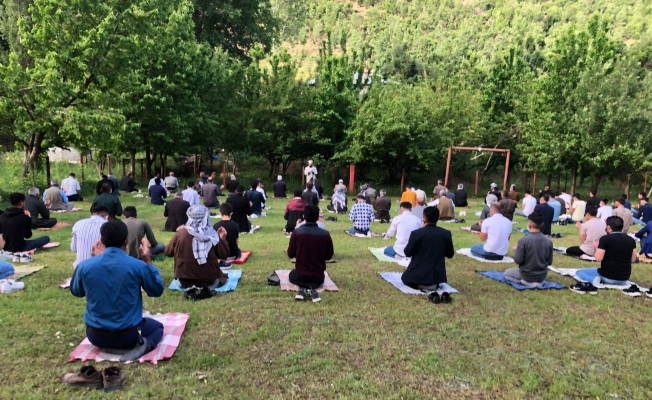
204 237
339 199
280 178
232 177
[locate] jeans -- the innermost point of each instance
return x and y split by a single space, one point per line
158 249
634 213
355 230
479 251
150 329
589 274
389 252
310 282
637 221
36 243
514 275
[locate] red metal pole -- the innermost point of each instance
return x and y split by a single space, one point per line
402 179
448 165
477 180
506 170
351 178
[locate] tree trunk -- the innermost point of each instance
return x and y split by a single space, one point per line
629 181
132 154
558 183
549 180
582 181
47 170
148 164
573 179
598 178
164 166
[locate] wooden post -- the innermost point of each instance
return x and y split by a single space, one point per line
142 167
448 165
509 152
224 173
351 178
108 162
402 179
124 171
477 181
534 184
47 169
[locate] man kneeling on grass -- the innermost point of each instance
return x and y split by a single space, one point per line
616 252
533 254
112 282
428 246
311 246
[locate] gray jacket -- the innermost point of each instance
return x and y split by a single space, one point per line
533 255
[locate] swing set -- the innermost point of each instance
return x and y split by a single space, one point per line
479 152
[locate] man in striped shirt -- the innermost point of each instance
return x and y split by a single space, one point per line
86 232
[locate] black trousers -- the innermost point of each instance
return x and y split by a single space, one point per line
575 251
75 197
310 282
44 223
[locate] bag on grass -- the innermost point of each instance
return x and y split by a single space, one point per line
273 280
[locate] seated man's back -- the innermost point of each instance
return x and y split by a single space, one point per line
533 254
241 209
175 211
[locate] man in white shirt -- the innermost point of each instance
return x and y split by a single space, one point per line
578 209
260 189
152 181
190 194
402 226
70 185
605 211
495 231
310 172
529 202
86 232
567 198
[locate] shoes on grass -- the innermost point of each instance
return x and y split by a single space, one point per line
113 379
649 293
633 291
314 295
434 298
301 294
446 298
87 377
583 287
190 294
205 293
9 285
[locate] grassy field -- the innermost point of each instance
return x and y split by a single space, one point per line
367 341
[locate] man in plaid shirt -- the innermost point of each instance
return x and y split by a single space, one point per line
362 214
175 210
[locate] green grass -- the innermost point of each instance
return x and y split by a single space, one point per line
367 341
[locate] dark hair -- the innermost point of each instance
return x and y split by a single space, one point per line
431 215
297 193
226 209
311 213
190 184
553 194
107 187
624 195
577 196
406 204
309 186
100 210
16 198
615 223
114 233
642 194
536 219
504 193
239 189
130 212
545 197
72 174
592 211
621 200
605 201
361 196
644 198
593 192
157 181
104 176
528 192
254 184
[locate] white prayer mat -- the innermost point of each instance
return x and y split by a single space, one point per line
467 252
395 279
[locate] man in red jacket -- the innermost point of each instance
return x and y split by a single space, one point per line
294 211
311 246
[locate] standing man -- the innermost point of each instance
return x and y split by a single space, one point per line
495 231
622 212
16 226
310 172
190 195
55 199
71 186
35 206
533 254
361 215
383 205
529 202
437 190
280 188
86 232
241 209
171 183
138 229
112 203
402 225
547 213
209 192
175 211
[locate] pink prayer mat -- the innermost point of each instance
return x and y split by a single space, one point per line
284 276
173 327
243 258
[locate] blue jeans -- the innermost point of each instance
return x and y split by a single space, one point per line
389 252
637 221
355 230
150 329
478 251
6 270
156 250
36 243
589 274
634 213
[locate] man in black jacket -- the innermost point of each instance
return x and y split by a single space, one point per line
428 246
37 208
310 195
311 246
16 226
241 209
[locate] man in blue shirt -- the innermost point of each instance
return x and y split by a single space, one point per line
157 193
112 282
644 212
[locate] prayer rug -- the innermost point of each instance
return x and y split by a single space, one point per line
572 271
173 327
467 252
24 270
380 255
75 209
468 229
395 279
562 250
57 226
230 285
500 277
284 276
243 258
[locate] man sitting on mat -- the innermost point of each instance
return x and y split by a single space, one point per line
37 208
428 247
139 229
361 215
16 226
232 230
616 253
197 249
114 307
311 246
591 230
496 231
86 232
533 254
547 212
402 226
294 211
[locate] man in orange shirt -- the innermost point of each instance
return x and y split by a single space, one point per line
410 196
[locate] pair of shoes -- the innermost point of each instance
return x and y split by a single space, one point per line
584 287
303 293
224 265
22 257
205 293
634 291
110 379
9 285
190 294
436 299
555 235
334 219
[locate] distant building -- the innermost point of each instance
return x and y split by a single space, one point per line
58 154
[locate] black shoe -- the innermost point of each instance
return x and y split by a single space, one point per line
583 287
314 295
190 294
633 291
301 294
434 298
205 293
649 293
446 298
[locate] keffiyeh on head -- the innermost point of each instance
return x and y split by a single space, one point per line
204 237
339 199
280 178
